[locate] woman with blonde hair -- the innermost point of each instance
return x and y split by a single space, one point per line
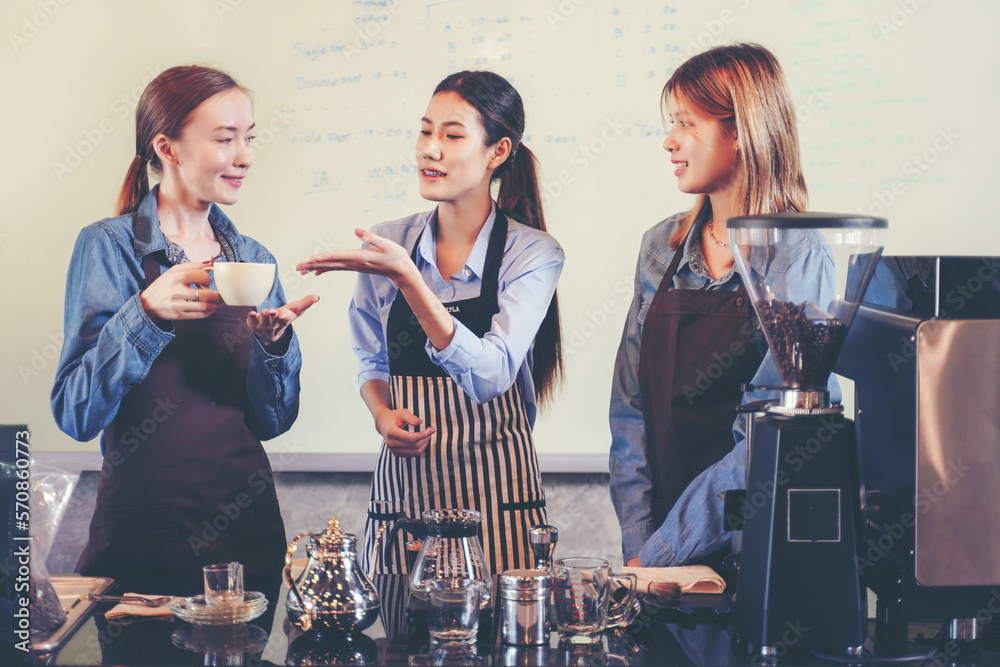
690 339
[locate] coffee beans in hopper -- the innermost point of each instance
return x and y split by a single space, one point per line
804 349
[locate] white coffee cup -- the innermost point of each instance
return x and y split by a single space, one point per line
243 283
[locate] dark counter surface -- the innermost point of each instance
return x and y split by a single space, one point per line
694 632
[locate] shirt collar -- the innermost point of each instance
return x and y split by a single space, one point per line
149 237
476 260
694 255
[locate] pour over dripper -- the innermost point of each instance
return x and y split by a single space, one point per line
827 257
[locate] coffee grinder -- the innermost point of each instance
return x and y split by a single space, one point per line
798 582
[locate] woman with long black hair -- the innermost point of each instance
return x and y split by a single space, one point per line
455 324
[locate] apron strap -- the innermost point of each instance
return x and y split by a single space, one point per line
490 286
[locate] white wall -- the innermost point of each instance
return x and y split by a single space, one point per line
896 99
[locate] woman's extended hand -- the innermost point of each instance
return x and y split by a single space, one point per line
383 258
270 324
171 296
391 426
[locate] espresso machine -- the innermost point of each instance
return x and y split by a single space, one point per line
924 354
798 583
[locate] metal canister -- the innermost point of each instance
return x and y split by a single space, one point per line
524 597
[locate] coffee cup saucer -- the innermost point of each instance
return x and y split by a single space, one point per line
195 610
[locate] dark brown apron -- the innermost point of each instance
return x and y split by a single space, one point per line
184 482
697 347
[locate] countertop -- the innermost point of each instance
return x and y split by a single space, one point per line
695 632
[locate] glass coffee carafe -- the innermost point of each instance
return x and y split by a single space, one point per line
451 550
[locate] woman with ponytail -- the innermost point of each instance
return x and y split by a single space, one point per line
183 387
455 324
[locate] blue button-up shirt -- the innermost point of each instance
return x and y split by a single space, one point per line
111 343
694 526
483 367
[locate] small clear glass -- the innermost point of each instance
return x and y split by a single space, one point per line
453 610
223 584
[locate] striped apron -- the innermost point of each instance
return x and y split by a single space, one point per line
482 455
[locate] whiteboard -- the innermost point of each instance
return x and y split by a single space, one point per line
896 102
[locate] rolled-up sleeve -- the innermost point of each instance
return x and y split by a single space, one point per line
109 341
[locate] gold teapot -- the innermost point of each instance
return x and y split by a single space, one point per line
332 593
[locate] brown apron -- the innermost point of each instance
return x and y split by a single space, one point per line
184 482
697 347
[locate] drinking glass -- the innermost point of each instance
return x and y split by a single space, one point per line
582 589
223 584
453 610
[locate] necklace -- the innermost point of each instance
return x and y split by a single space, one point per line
711 233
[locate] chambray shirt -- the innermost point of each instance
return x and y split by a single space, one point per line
694 526
110 342
483 367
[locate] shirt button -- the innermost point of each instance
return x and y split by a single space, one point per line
467 272
739 301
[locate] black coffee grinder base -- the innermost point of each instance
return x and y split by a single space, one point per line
798 583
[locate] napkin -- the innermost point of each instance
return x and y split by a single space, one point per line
691 578
126 609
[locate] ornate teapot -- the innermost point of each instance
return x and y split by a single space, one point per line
332 593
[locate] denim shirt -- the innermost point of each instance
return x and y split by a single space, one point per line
694 526
483 367
110 342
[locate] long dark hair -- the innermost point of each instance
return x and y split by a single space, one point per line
164 108
501 113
